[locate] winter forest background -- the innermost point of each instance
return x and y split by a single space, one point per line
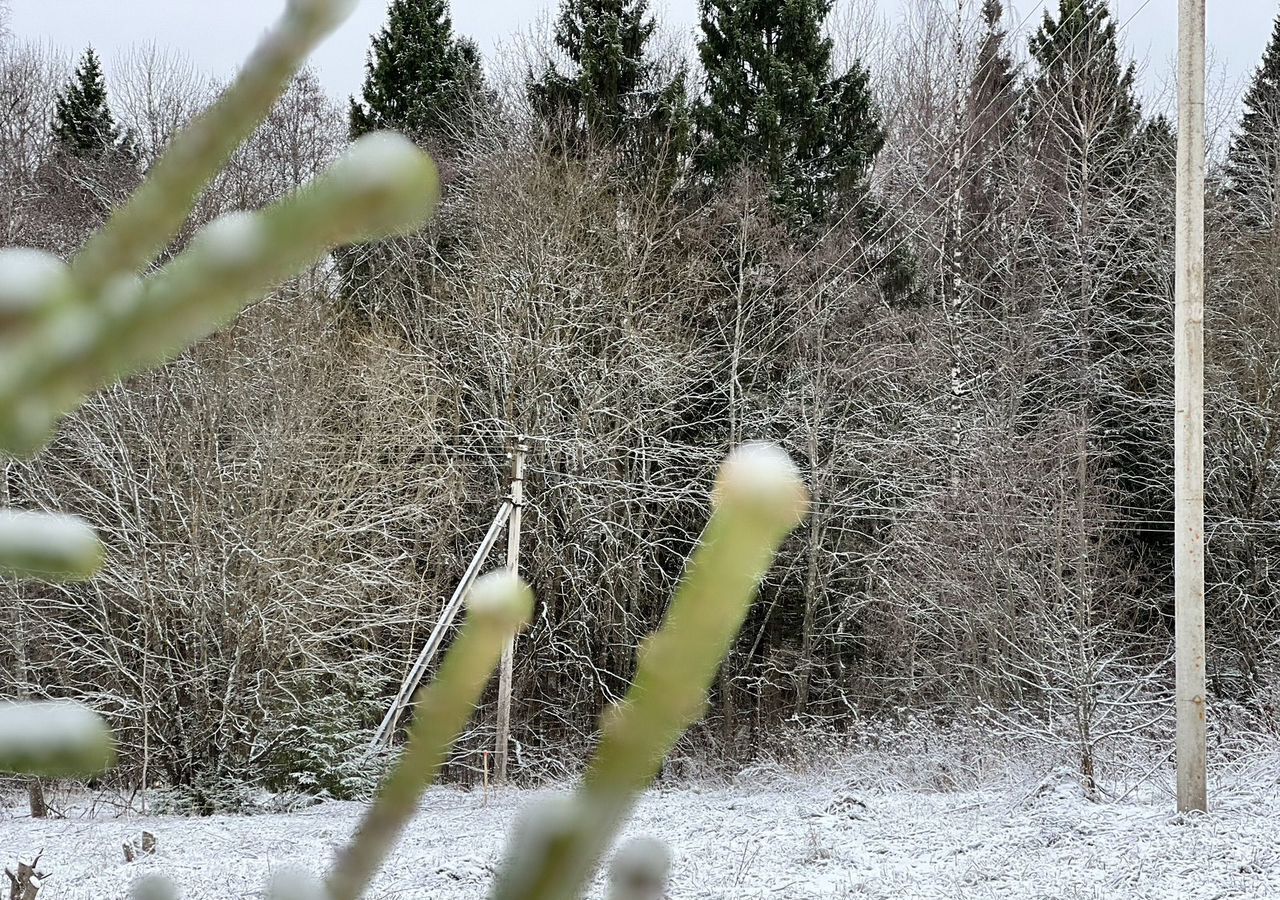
934 262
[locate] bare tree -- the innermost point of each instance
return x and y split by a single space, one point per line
157 91
29 80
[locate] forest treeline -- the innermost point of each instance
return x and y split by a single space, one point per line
933 260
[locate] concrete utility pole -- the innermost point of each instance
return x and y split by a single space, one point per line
1188 440
513 563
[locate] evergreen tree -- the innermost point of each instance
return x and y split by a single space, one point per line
994 97
82 121
420 79
94 165
989 173
772 101
1244 334
615 91
1080 83
1104 221
1253 160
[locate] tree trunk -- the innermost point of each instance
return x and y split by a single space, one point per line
39 806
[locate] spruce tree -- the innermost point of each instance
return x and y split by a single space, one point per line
1080 79
1244 330
993 92
1104 219
1253 159
989 169
773 102
82 121
420 79
615 91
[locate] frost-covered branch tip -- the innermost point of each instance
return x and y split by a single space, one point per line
499 604
54 740
387 183
153 887
48 546
639 870
762 479
500 598
139 230
32 283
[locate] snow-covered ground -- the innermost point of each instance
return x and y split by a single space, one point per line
766 833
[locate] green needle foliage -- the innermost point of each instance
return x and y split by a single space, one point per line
82 120
1253 160
773 100
616 90
420 78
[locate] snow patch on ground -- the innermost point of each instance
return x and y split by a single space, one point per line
765 834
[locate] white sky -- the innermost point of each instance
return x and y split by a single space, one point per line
216 35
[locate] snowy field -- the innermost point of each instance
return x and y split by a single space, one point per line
766 833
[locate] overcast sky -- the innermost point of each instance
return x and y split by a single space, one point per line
216 35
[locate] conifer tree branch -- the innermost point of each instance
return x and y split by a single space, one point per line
138 231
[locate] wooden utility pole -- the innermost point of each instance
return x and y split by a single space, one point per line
513 564
1188 441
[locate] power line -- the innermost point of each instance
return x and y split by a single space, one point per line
904 511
